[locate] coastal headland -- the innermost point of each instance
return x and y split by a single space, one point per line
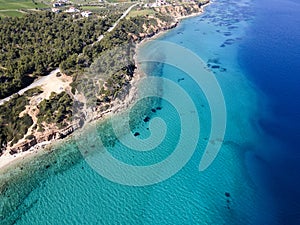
44 110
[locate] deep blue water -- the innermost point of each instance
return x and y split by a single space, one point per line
270 54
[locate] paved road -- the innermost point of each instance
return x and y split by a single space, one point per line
117 22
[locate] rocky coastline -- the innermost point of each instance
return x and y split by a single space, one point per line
46 138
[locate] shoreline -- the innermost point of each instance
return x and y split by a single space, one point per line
194 14
8 161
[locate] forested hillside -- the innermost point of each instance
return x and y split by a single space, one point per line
38 43
101 71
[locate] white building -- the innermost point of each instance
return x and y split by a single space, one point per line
55 10
57 4
156 4
160 2
86 13
72 10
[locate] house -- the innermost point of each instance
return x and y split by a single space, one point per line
86 13
157 3
55 10
72 10
160 2
58 4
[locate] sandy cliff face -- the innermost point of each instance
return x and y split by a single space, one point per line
167 17
178 11
152 29
46 136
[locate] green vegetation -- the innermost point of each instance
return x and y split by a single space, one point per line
119 36
11 13
110 62
34 91
40 42
119 1
143 12
21 4
13 127
55 110
92 8
106 9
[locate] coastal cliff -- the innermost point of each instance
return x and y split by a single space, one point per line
44 137
114 90
182 10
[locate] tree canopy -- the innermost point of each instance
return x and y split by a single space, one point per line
38 43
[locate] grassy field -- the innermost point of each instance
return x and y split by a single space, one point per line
10 8
119 1
22 4
96 1
11 14
92 8
143 12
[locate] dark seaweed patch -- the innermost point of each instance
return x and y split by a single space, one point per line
146 119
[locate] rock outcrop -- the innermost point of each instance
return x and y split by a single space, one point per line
44 137
182 10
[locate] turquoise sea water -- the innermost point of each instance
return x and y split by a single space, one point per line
230 191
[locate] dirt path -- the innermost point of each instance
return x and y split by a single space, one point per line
45 79
39 82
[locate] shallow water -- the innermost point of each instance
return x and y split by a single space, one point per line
233 190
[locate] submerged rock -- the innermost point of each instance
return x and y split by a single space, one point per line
147 119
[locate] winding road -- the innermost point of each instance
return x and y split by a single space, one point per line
40 81
117 22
